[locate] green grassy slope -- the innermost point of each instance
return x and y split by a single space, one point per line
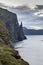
8 56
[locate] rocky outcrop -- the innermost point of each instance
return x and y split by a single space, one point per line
12 25
10 20
21 33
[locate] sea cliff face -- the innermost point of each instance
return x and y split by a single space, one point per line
12 25
8 55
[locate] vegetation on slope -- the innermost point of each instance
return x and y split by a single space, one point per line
8 56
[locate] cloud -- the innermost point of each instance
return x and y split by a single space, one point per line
35 27
30 3
27 16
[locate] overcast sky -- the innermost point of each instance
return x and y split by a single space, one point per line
29 20
20 2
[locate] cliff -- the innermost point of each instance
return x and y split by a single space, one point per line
9 19
8 56
8 29
32 31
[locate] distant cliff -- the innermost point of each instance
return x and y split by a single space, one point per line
32 31
9 19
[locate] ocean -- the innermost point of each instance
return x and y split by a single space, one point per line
31 50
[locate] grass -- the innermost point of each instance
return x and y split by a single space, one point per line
8 56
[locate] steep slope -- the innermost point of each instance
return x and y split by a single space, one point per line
9 19
8 56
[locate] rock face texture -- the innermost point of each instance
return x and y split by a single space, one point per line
21 33
9 56
11 22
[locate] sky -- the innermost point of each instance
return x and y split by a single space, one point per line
21 2
32 20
